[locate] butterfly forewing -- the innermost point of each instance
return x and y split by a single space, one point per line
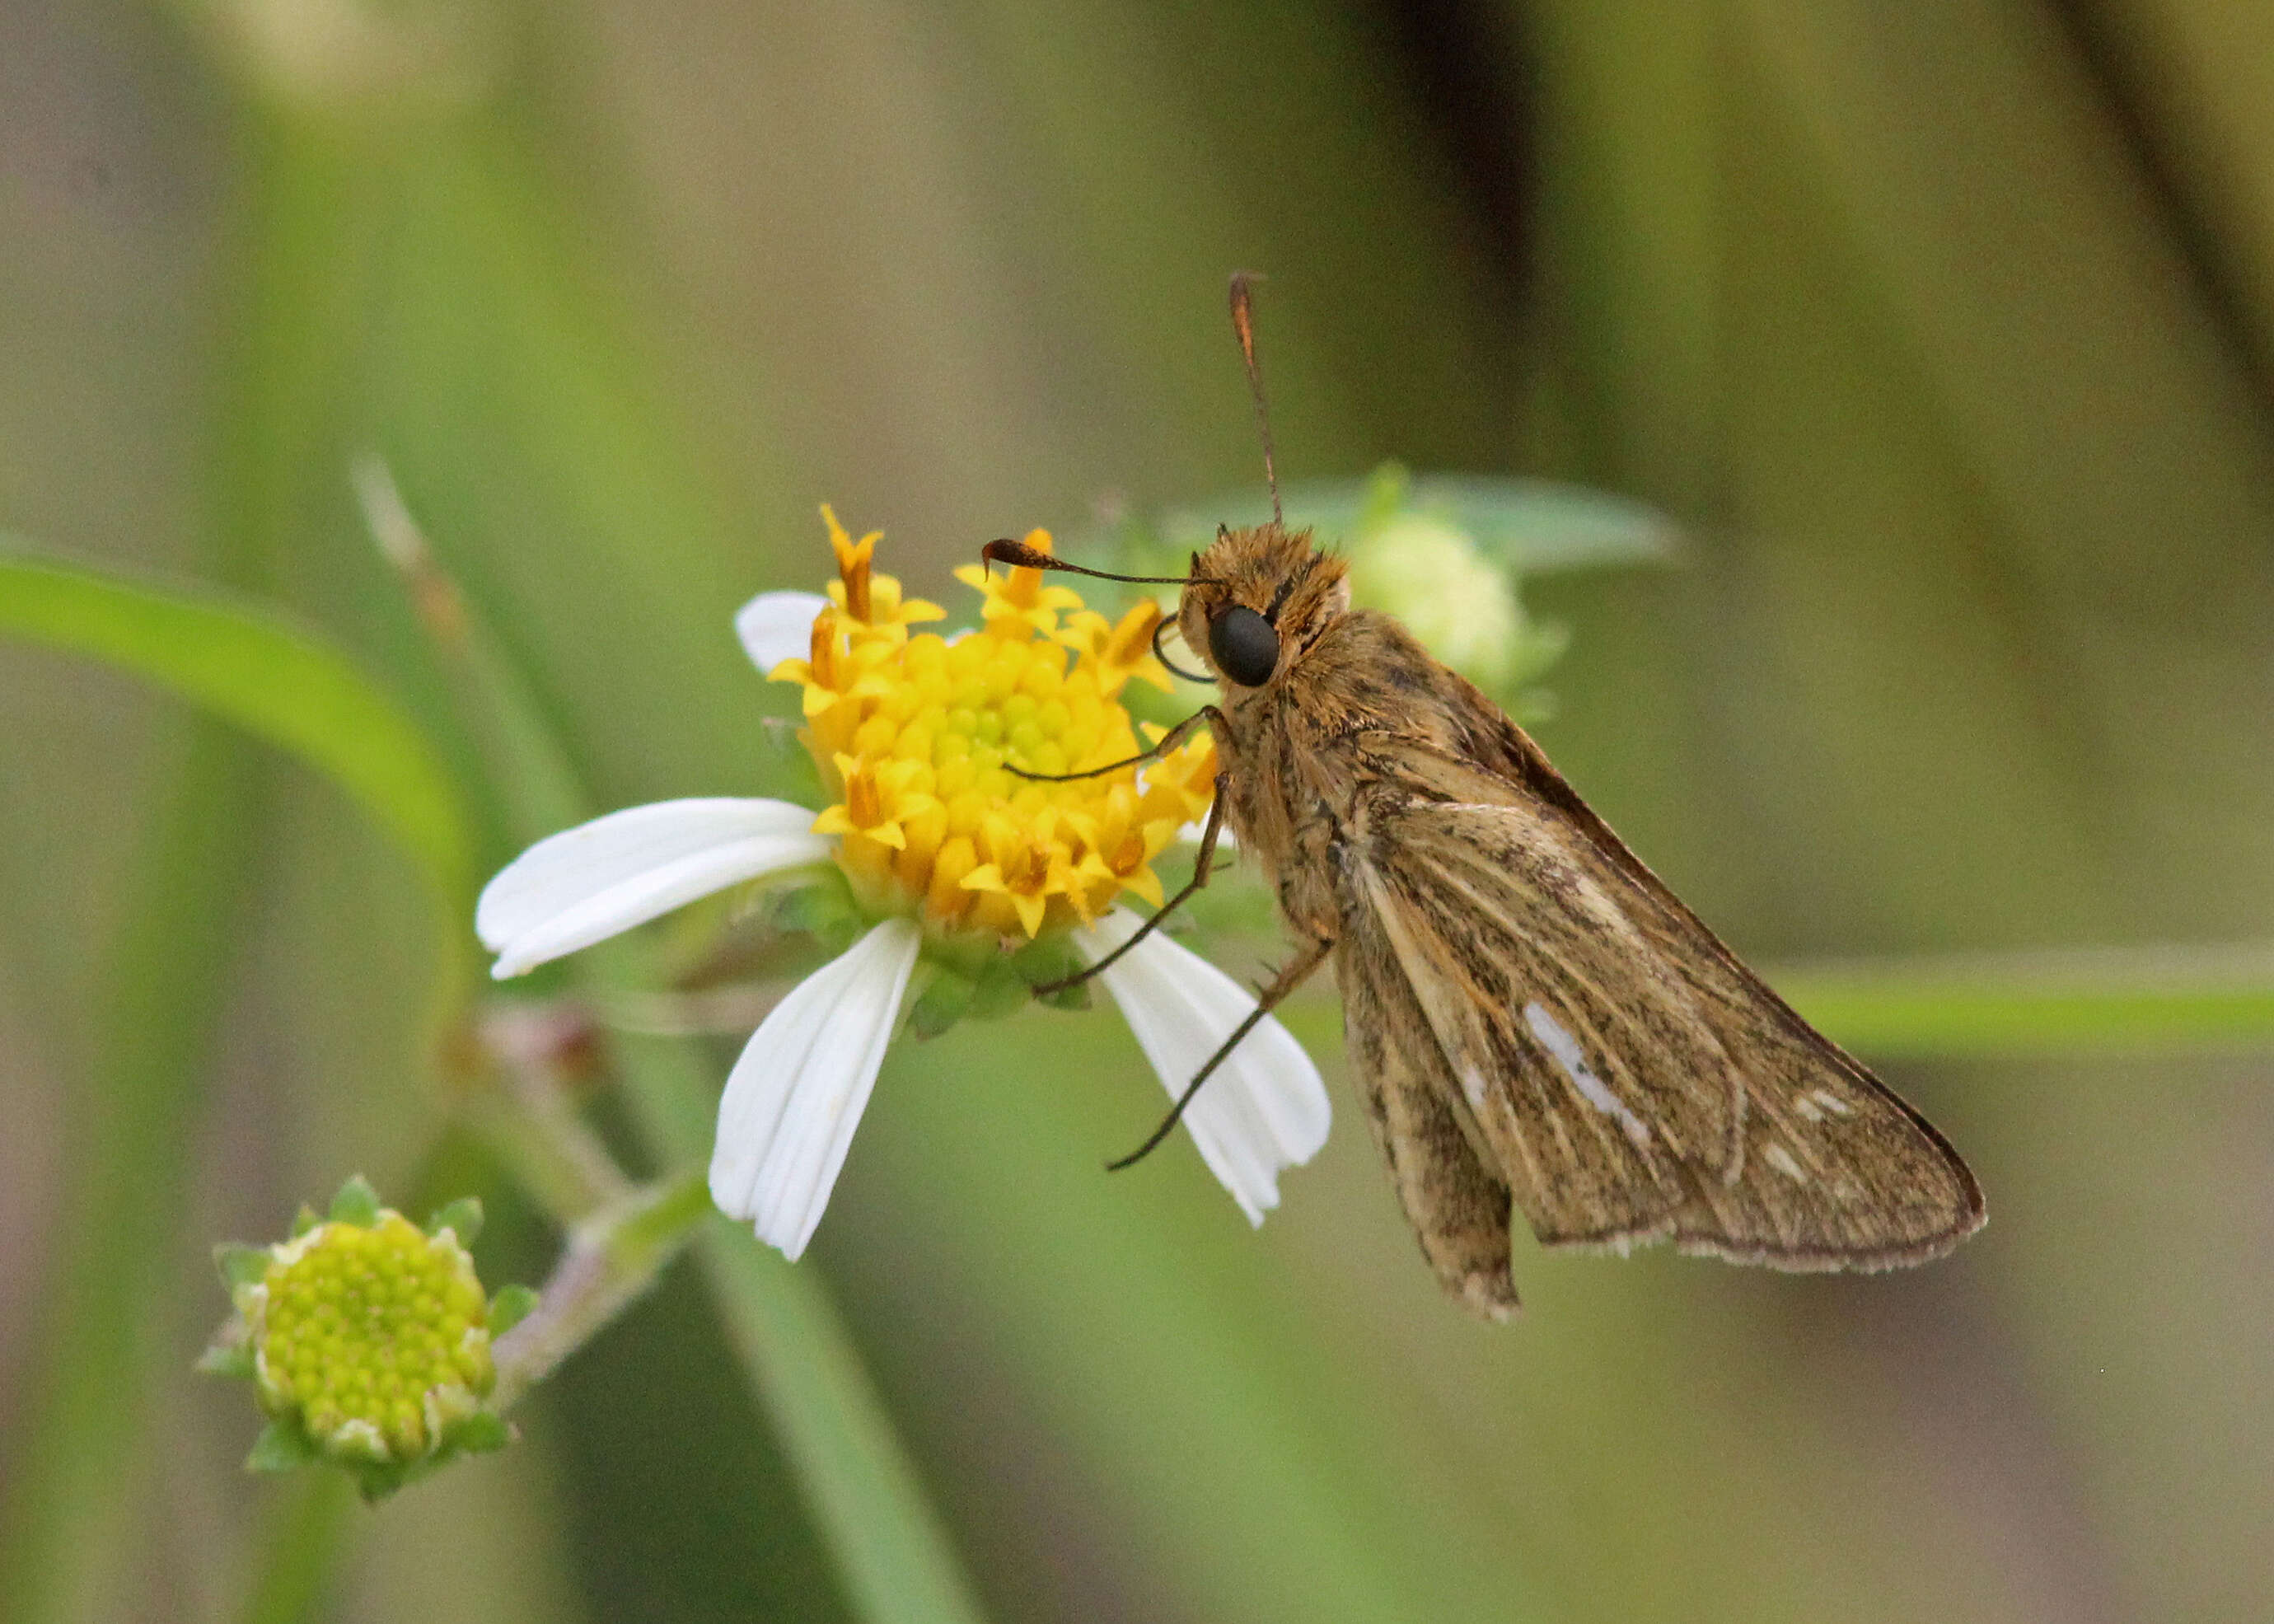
1623 1076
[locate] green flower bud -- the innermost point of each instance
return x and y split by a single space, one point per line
367 1340
1427 572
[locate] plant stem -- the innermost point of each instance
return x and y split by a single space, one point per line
611 1257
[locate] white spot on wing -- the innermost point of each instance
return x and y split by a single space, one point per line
1573 1059
1807 1109
1778 1157
1472 1085
1824 1100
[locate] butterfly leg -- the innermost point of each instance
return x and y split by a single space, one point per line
1202 865
1159 747
1292 975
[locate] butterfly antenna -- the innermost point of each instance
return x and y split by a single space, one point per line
1242 323
1019 555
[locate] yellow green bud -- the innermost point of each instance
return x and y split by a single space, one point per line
367 1339
1460 603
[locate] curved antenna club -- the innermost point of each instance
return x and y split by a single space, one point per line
1243 324
1019 555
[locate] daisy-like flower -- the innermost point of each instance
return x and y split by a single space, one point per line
974 885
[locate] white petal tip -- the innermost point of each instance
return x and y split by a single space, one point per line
1266 1109
786 1115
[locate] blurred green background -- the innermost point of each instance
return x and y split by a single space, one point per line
1944 330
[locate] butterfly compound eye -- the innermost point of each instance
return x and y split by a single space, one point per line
1245 646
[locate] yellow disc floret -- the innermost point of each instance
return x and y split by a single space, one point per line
923 740
375 1337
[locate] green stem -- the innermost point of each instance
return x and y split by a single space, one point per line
525 1107
2160 1000
611 1260
305 1521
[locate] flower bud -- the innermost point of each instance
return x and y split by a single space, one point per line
1427 572
367 1339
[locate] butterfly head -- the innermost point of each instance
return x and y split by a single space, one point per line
1257 598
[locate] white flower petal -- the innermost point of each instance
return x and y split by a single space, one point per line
586 883
778 626
795 1097
1264 1107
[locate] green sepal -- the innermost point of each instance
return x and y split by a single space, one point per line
227 1358
1001 989
480 1433
356 1203
375 1480
823 908
241 1266
306 1219
1041 962
462 1217
946 998
283 1446
510 1307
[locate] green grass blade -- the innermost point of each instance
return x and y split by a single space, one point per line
248 664
2107 1001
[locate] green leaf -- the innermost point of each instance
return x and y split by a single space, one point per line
306 1219
283 1446
1531 525
250 665
462 1217
356 1203
510 1307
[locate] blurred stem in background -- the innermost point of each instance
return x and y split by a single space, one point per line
79 1484
82 1484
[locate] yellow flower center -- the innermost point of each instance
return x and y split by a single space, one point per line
376 1337
922 742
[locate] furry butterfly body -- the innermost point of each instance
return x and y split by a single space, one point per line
1538 1027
